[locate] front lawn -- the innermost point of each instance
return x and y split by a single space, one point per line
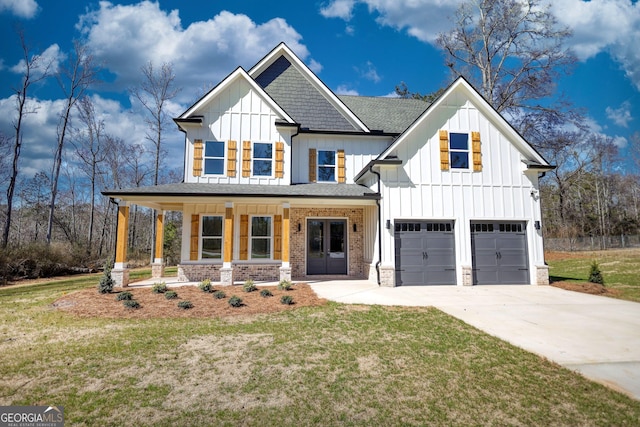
333 364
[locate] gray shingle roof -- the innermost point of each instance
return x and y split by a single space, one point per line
390 115
192 189
300 99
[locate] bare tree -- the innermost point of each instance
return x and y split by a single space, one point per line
154 92
90 150
74 79
36 68
512 52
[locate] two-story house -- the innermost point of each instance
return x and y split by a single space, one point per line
285 179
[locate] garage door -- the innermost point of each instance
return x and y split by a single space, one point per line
424 253
499 253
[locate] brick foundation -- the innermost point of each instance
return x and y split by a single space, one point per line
467 276
238 273
157 270
120 277
199 272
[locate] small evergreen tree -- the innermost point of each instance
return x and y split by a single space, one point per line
106 282
595 275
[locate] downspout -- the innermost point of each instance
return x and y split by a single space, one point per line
379 225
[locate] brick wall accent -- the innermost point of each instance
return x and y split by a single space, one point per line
355 240
467 275
241 272
198 272
542 275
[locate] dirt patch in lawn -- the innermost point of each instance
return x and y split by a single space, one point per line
90 303
585 287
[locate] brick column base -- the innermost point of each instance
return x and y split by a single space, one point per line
542 274
120 277
467 276
226 276
285 273
157 270
387 276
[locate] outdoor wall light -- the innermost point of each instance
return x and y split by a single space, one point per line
299 227
537 225
355 227
388 225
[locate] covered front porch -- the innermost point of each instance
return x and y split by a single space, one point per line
265 238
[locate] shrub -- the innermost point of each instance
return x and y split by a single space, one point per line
171 295
286 300
159 288
131 304
205 286
249 286
235 301
265 293
285 285
185 305
595 275
106 282
124 296
219 295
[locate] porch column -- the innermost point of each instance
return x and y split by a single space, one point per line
120 273
285 269
226 272
157 268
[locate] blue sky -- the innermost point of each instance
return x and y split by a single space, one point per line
363 47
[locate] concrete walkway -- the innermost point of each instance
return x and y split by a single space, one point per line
596 336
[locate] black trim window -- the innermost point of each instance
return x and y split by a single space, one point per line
261 237
459 150
326 166
212 237
214 158
262 159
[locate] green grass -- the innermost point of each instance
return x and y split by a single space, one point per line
330 365
620 269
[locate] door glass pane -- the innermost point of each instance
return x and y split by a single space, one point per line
316 239
337 236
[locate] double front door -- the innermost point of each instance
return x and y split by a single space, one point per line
326 246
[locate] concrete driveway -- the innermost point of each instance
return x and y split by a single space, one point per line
596 336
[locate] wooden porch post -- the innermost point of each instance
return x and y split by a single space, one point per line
285 269
120 273
226 272
157 268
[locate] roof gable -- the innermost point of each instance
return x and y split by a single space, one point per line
461 85
388 115
302 94
239 73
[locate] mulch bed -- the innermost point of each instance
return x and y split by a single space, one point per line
90 303
587 288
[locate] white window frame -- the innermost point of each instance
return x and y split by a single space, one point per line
459 150
203 238
262 159
334 165
205 157
269 237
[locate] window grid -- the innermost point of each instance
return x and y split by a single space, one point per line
214 158
261 237
211 237
326 166
262 159
459 150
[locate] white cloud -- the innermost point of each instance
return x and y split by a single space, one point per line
369 72
344 90
48 61
620 141
124 37
22 8
315 66
342 9
620 116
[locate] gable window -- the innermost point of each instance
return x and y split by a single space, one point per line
459 150
212 237
262 159
214 158
261 237
326 166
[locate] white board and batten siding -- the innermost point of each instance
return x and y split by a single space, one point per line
358 150
419 189
238 113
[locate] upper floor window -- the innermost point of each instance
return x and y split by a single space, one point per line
262 159
212 237
459 150
261 237
214 158
326 165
